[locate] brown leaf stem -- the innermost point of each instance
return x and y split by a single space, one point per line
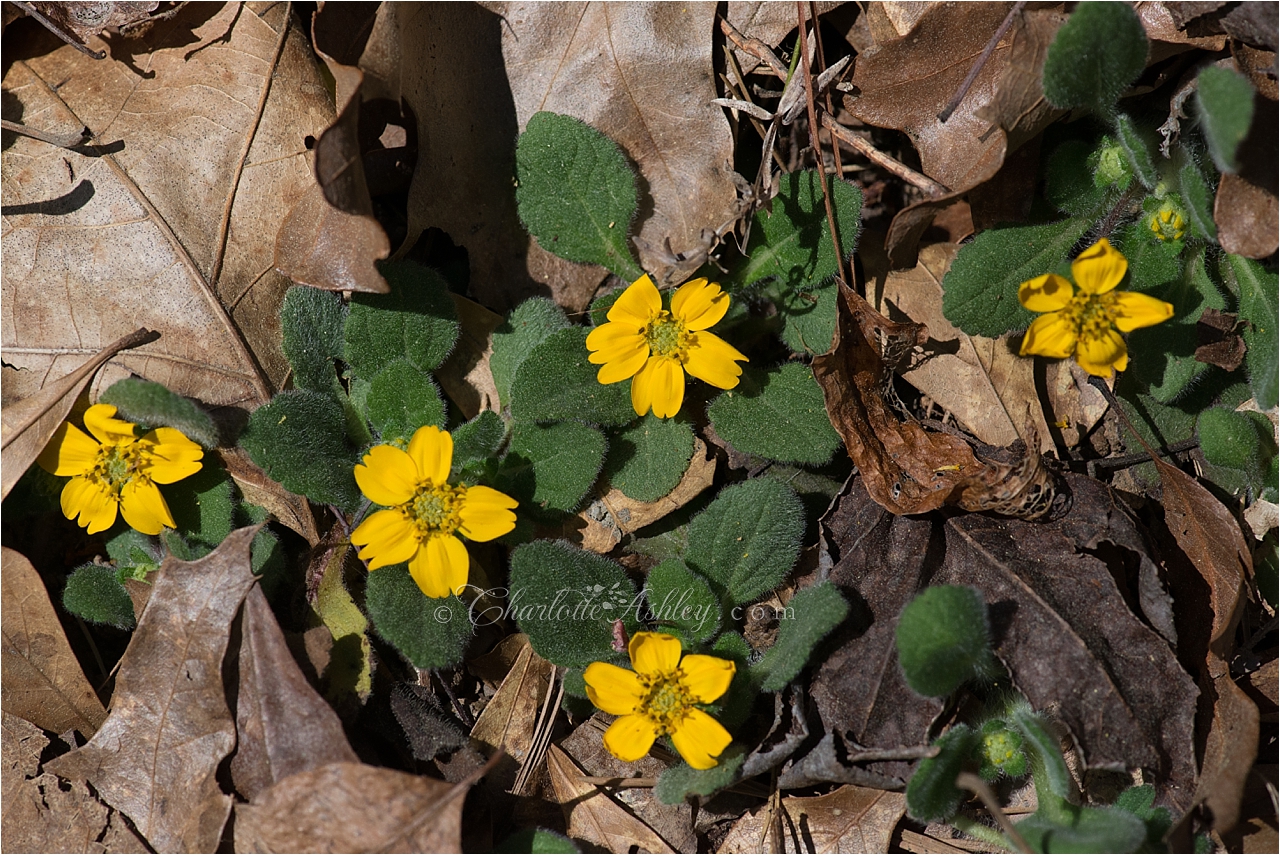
815 142
981 61
928 185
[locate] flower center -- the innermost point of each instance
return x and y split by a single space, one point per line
117 465
435 510
1092 314
667 336
666 700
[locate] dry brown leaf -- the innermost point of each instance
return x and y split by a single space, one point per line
41 678
282 725
768 22
1248 217
592 815
29 424
351 807
156 756
170 221
908 470
849 819
258 488
91 19
42 814
509 718
465 375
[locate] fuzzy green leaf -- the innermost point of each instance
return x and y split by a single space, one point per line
537 841
1198 202
402 399
793 242
560 462
152 405
682 602
566 600
1094 57
1069 184
748 539
1054 784
944 639
203 505
416 321
808 318
94 593
477 439
299 438
526 327
576 192
1243 441
266 557
556 383
980 291
781 415
430 633
932 794
681 780
647 458
811 614
1088 829
1225 101
1140 801
133 549
1259 306
311 328
1137 150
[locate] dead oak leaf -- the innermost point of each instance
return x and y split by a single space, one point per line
848 819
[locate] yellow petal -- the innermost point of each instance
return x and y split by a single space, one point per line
700 739
388 475
1138 310
611 337
71 451
486 514
714 361
98 419
638 304
1047 293
1050 335
92 502
1099 356
706 677
143 507
440 567
620 369
388 537
615 690
170 455
660 385
630 737
432 453
699 304
654 653
1099 268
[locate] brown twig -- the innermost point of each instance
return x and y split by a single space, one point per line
755 47
61 142
982 60
813 137
979 788
826 94
908 752
930 187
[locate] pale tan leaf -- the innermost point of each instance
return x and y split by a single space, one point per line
257 487
350 807
508 720
592 815
41 678
465 375
849 819
156 757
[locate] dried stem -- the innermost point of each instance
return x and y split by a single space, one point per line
930 187
982 60
979 788
61 142
817 147
826 94
908 752
755 47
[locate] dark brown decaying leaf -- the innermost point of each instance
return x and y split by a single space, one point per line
155 757
42 814
592 815
1248 217
29 424
41 678
351 807
907 469
282 725
1078 613
1218 340
848 819
169 222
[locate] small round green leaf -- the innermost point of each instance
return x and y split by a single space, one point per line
781 415
648 457
932 794
416 321
681 601
808 617
1094 57
1225 99
299 438
559 462
430 633
944 639
402 399
94 593
478 439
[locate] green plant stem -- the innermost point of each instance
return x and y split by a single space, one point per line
980 831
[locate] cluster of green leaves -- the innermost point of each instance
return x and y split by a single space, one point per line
1112 170
943 640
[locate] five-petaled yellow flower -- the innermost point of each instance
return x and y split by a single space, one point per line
117 469
423 510
1088 324
655 346
659 698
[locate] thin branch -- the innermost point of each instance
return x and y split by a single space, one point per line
982 60
826 92
61 142
49 25
930 187
908 752
979 788
755 47
817 147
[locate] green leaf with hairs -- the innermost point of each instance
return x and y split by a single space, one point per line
780 414
416 321
944 639
1256 288
809 616
311 328
152 405
525 328
682 602
932 794
1094 57
648 457
203 505
477 439
682 780
430 633
94 593
557 383
561 462
1225 102
299 438
401 399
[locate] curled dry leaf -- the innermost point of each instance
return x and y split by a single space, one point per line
41 678
508 720
29 424
351 807
169 221
465 375
155 758
257 487
592 815
907 469
282 725
1078 613
848 819
90 19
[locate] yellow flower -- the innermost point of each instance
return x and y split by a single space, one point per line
1086 324
115 468
1168 223
423 512
659 698
655 346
